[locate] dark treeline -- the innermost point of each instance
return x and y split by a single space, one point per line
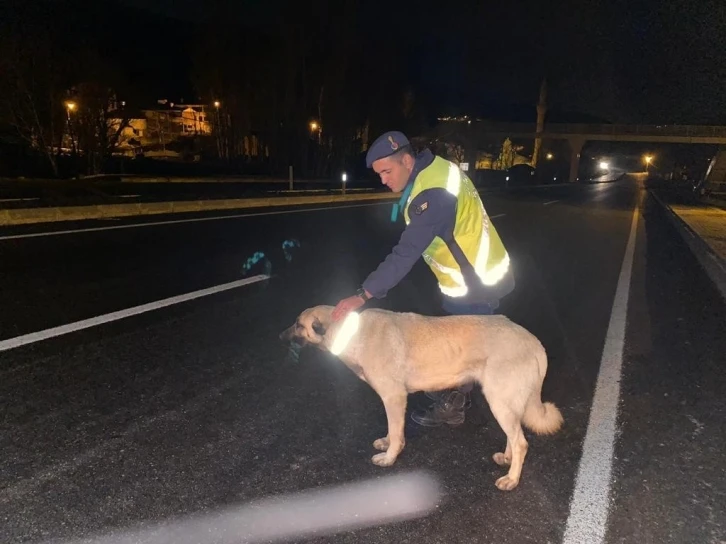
312 83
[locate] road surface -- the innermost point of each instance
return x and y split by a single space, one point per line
192 407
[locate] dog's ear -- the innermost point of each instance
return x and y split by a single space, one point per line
318 327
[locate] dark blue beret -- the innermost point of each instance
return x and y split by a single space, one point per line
386 144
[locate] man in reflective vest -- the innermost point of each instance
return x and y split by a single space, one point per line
447 224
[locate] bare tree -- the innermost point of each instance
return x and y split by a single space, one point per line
99 122
315 66
32 88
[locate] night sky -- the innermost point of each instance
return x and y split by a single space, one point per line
620 61
624 61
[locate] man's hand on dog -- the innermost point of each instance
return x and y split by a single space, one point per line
346 306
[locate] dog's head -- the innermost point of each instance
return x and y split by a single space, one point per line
310 327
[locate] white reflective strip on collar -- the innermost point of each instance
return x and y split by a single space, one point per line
345 333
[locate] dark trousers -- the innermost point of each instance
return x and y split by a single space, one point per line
453 307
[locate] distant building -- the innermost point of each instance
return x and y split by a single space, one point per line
132 135
149 131
171 130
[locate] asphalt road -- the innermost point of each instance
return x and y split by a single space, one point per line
193 407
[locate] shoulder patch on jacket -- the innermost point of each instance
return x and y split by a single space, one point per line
421 208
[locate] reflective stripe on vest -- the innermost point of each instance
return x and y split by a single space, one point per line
488 277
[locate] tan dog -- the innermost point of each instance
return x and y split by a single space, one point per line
402 353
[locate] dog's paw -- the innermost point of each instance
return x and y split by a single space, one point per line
505 483
501 459
383 460
381 444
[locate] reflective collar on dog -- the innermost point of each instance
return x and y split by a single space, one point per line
345 333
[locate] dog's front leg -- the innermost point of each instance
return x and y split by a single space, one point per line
395 404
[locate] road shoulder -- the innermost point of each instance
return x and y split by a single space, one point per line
703 228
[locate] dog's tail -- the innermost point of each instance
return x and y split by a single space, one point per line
542 418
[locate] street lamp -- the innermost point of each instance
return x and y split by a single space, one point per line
344 178
70 108
216 129
550 156
648 159
315 127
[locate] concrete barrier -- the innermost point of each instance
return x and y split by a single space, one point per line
24 216
708 257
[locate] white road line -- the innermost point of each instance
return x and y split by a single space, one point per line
587 521
496 216
33 337
17 199
550 202
178 221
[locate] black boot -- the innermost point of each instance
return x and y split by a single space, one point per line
436 396
448 407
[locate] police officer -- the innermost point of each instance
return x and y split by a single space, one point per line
447 224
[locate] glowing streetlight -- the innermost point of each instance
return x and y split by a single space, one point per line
648 160
70 108
315 128
217 103
550 156
604 165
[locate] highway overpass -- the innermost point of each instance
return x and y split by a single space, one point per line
472 132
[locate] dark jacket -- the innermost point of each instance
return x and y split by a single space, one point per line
438 220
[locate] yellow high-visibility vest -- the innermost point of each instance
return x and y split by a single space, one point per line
474 232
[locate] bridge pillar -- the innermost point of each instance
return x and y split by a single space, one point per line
576 145
716 173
